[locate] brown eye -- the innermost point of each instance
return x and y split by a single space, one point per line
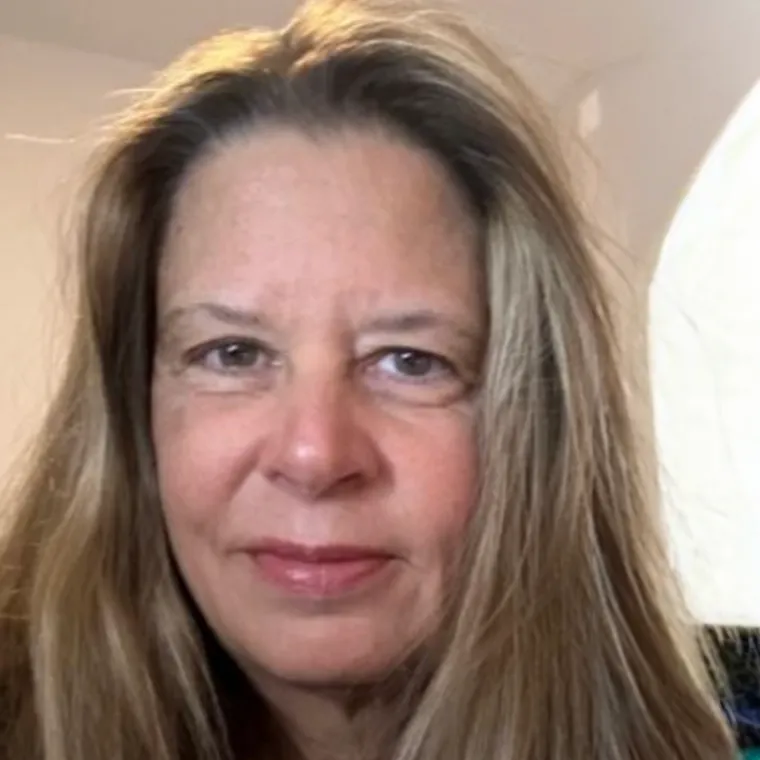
233 355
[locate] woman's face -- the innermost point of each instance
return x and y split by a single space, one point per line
320 329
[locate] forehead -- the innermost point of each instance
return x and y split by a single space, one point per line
358 211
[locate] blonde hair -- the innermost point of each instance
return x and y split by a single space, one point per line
567 640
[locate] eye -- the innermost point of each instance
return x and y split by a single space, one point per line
413 364
230 355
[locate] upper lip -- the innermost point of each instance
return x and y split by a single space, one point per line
318 553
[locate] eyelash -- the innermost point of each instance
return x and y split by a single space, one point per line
199 356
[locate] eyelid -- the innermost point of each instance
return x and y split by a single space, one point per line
445 385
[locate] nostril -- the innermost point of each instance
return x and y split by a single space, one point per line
348 483
319 487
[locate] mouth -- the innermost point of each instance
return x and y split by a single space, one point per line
319 571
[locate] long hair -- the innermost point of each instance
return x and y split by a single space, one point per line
567 638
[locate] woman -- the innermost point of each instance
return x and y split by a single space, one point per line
342 466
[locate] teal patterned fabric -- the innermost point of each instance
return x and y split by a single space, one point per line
739 652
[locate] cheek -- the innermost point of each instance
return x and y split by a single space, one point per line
440 473
201 453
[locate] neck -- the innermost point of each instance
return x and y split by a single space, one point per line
332 723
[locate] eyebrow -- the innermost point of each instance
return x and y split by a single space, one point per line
230 315
419 320
240 318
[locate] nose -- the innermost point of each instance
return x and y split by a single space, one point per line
317 444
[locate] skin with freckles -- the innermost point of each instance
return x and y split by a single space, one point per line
320 330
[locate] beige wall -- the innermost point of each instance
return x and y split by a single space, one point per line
49 100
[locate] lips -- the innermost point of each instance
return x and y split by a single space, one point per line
318 571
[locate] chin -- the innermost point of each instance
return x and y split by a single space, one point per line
339 658
327 667
330 673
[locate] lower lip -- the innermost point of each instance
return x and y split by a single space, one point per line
319 579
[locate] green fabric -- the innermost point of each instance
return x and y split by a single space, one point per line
751 754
